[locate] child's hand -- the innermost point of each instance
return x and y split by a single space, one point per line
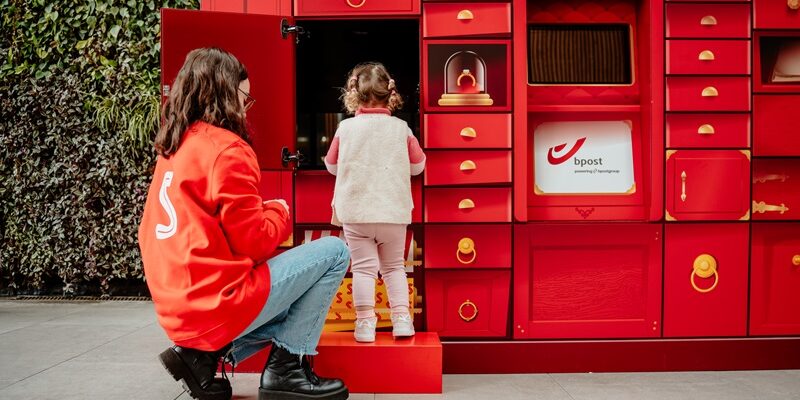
280 201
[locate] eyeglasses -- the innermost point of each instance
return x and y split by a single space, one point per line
248 101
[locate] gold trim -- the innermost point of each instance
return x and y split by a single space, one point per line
762 207
465 15
538 191
708 20
710 91
770 177
746 153
706 55
349 3
746 216
706 129
670 153
668 216
478 99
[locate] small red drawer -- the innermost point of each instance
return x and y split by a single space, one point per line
466 19
775 279
467 167
467 303
708 131
311 8
775 14
708 93
775 125
709 57
705 279
467 246
776 189
468 205
467 131
708 21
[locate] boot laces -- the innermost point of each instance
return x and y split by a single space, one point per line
308 368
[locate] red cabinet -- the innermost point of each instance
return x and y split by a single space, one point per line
467 131
354 8
468 246
587 280
468 205
708 93
708 130
467 303
466 19
705 279
776 189
711 57
776 14
775 279
708 21
708 185
775 125
467 167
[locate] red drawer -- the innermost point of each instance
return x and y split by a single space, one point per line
705 279
466 19
776 189
467 131
708 185
775 279
311 8
708 130
467 246
467 303
776 14
467 167
708 93
775 125
708 21
468 205
710 57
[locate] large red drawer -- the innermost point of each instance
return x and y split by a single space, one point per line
468 205
350 8
686 20
776 189
776 14
708 185
467 131
708 131
708 93
775 125
467 303
705 279
468 246
467 167
709 57
466 19
775 279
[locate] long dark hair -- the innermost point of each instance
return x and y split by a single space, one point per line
206 89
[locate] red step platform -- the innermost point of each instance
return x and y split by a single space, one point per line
387 366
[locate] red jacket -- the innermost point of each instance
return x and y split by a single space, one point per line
205 236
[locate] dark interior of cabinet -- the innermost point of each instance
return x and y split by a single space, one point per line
780 60
325 57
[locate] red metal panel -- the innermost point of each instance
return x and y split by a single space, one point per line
272 119
717 306
466 19
491 246
467 167
708 93
776 189
774 126
222 5
712 57
775 279
775 14
276 185
708 131
354 8
471 303
467 131
468 205
708 21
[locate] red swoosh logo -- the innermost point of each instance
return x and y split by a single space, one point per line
558 160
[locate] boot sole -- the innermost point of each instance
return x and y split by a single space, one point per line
179 371
264 394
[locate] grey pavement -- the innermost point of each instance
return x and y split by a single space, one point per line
107 350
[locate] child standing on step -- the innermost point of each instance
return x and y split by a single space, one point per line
373 156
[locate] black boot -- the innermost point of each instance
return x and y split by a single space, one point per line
196 369
285 377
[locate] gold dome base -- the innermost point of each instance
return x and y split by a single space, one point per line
471 99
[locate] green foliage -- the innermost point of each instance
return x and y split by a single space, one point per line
79 103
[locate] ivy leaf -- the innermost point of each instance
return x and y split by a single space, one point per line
115 31
81 44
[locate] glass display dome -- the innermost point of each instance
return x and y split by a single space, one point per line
465 81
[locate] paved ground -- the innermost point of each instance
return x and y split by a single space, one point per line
107 350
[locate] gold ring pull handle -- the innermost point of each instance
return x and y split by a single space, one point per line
465 15
683 186
710 91
706 55
708 20
466 73
466 246
793 4
349 3
706 129
762 207
468 165
468 132
705 265
461 311
796 259
770 177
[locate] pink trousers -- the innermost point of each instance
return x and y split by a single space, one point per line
373 248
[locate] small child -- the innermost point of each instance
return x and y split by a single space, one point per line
373 156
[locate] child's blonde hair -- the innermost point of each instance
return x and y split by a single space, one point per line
370 84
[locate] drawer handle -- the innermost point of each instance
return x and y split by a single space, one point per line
770 177
465 15
461 311
349 3
706 129
708 20
706 55
793 4
466 246
796 259
704 266
683 186
465 204
710 91
762 207
469 132
467 165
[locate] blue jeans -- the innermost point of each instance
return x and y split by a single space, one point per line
303 282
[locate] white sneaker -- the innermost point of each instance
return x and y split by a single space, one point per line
365 329
402 326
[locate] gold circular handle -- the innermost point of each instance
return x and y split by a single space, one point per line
465 73
349 3
704 266
466 246
796 259
465 15
461 310
793 4
469 132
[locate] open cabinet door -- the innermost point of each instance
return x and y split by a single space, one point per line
269 56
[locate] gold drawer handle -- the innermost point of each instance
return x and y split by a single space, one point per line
762 207
466 246
461 311
683 186
796 259
705 265
469 132
710 91
464 15
349 3
466 203
793 4
770 177
706 55
467 165
708 20
706 129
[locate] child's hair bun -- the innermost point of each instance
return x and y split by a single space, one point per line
369 84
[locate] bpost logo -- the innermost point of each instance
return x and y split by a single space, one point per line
555 160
